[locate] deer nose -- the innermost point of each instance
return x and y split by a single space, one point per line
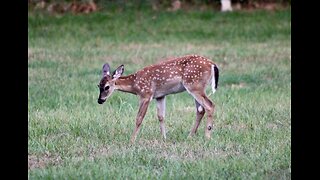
100 101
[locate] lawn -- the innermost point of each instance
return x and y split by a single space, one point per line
71 136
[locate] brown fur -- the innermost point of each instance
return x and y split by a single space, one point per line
192 73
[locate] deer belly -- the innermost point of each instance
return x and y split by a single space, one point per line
168 89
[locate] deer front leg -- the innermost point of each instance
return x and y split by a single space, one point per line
144 103
161 108
200 113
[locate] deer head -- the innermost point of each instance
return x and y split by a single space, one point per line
107 82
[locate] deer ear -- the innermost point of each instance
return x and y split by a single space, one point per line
118 72
106 69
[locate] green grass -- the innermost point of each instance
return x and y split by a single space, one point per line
71 136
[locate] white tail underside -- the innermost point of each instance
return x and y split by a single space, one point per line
213 81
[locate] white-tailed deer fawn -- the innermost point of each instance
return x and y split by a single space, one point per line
192 73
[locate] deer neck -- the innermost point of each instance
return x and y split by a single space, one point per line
125 84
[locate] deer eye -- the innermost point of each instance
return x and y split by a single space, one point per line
106 88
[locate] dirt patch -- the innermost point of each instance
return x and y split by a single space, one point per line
237 127
240 85
43 161
103 151
182 152
30 53
272 126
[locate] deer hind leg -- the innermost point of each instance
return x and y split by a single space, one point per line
209 107
161 108
200 113
144 103
205 102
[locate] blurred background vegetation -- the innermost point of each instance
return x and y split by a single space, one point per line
87 6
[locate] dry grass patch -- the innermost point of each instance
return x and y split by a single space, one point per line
43 161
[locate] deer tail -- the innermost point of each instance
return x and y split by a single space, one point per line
215 77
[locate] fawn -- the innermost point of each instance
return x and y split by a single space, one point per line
191 73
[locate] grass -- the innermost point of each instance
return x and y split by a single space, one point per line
71 136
